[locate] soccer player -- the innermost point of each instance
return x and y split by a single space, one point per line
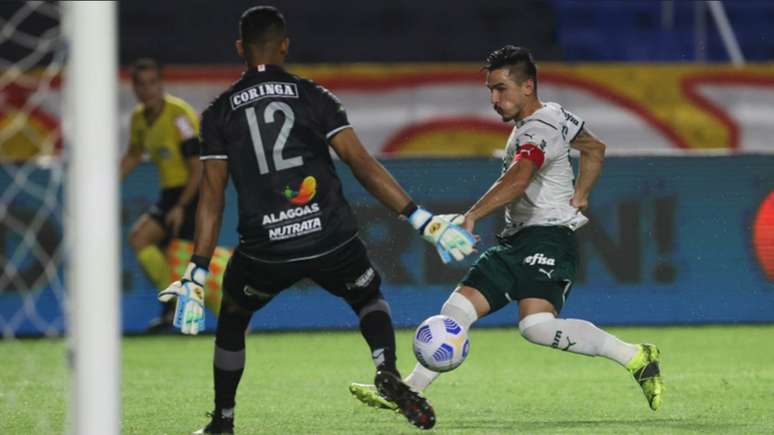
271 132
166 128
535 261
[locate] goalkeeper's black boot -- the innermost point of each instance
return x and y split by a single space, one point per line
218 424
416 408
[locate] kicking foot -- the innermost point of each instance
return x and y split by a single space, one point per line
218 425
416 408
368 394
645 369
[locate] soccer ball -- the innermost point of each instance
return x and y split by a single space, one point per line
441 344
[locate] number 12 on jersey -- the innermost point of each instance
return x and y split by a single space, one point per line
280 162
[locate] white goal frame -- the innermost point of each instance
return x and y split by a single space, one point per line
90 126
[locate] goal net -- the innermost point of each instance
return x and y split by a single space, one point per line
31 170
45 174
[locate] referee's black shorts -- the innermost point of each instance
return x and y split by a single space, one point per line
166 202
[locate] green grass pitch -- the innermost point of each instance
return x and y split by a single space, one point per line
719 380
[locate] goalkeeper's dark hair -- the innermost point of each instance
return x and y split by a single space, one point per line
145 64
261 25
521 66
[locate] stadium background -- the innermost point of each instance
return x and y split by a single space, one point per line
682 219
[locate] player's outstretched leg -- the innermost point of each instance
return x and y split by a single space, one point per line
582 337
219 424
416 408
645 369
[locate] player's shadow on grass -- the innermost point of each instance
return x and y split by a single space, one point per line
656 423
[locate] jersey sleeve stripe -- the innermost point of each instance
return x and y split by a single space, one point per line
336 130
583 124
214 157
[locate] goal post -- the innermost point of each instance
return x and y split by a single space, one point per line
92 208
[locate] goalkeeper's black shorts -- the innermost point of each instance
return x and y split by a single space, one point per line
166 202
346 272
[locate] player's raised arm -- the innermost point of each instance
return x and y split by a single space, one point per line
508 187
450 240
592 154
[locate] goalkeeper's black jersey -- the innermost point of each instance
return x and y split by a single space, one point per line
274 127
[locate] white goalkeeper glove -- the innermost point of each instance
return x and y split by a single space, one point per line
189 311
444 231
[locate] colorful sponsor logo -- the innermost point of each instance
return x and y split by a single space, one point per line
305 192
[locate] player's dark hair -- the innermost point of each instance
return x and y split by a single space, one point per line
518 60
145 64
260 25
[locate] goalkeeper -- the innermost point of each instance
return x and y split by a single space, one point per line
271 132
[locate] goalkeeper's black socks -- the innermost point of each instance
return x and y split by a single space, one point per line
229 358
226 382
378 332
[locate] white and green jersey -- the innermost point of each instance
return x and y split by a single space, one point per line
544 138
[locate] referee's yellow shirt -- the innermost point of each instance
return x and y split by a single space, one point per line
169 140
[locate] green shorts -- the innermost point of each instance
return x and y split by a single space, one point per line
536 262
